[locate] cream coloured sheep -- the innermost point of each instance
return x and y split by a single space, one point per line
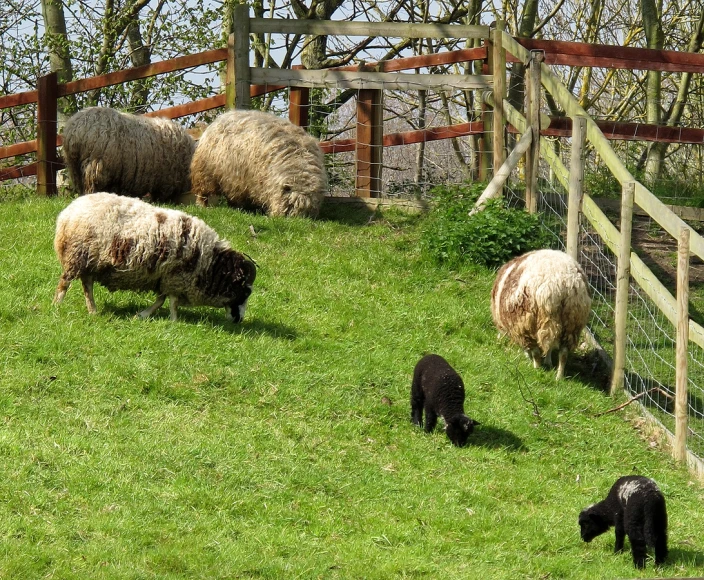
259 161
127 244
108 150
541 301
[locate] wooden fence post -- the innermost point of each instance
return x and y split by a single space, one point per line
499 74
486 141
623 281
237 74
369 146
574 205
47 122
679 450
298 104
533 94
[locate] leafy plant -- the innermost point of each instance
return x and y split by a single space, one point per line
489 238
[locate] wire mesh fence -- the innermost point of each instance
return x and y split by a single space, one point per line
650 335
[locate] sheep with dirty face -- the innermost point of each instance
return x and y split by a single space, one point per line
126 244
541 301
438 390
108 150
635 506
259 161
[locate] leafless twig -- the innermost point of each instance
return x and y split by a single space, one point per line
638 396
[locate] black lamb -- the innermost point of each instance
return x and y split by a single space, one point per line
439 390
636 507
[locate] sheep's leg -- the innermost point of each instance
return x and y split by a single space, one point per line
660 549
562 362
154 307
417 412
173 306
61 289
87 282
638 549
535 355
620 535
431 419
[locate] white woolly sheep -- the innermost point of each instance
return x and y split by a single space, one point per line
107 150
259 161
541 301
127 244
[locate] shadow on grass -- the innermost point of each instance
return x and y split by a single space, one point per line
352 215
691 558
589 368
216 318
495 438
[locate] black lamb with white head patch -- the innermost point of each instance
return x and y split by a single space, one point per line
437 389
636 507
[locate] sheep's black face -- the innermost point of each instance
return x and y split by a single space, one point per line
591 525
236 308
459 429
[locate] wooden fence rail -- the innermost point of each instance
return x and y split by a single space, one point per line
556 52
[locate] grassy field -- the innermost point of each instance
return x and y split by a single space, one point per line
282 447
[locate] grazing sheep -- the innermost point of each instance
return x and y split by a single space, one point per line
636 507
541 301
439 390
127 244
262 162
107 150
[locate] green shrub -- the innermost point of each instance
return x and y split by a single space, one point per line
489 238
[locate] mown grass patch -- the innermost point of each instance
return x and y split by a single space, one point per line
282 447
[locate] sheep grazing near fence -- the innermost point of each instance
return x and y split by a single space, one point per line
127 244
259 162
541 301
437 389
107 150
636 507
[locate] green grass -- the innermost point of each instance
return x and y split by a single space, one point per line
203 449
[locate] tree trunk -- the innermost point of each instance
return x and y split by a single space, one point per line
57 44
654 39
516 91
139 55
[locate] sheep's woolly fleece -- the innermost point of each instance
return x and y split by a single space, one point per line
108 150
259 161
541 301
127 244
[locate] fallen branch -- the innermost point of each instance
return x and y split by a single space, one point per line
638 396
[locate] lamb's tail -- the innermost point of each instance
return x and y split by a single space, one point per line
656 529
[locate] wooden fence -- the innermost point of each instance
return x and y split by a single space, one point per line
689 334
370 140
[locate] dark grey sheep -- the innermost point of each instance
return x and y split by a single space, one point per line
438 390
636 507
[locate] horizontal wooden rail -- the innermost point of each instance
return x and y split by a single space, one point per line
365 80
17 172
421 61
409 137
18 99
141 72
605 56
18 149
347 28
562 127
